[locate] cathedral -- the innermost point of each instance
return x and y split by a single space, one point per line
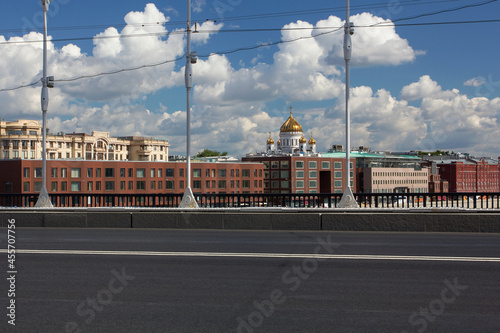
291 140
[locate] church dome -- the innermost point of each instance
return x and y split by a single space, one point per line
270 141
312 141
302 140
290 125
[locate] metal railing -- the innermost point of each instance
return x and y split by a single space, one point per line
310 200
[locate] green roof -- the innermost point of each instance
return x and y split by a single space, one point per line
357 154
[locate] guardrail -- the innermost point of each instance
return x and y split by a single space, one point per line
316 200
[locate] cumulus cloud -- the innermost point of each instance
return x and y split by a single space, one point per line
234 105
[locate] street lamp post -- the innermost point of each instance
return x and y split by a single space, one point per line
43 198
188 200
348 200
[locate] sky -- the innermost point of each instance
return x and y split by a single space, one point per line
421 78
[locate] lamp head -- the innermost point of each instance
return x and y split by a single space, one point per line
45 5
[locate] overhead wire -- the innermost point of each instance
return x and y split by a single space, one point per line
332 29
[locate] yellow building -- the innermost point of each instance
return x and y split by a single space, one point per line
22 139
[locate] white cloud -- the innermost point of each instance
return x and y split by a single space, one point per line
231 102
475 82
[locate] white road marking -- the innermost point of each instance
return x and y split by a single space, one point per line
259 255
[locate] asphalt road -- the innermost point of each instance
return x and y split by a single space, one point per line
133 280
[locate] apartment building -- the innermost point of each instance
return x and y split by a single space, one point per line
22 139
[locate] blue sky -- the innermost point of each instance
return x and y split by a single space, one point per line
420 87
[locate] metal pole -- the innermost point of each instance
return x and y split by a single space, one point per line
348 200
43 198
188 200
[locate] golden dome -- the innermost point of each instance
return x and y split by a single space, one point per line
290 125
302 140
270 141
312 141
279 142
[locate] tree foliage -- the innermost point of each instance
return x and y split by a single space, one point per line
210 153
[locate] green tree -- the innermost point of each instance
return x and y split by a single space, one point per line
209 153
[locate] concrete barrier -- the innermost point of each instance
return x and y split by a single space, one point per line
286 219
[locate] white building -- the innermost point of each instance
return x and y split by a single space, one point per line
291 140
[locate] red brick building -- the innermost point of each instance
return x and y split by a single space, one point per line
471 175
303 174
129 177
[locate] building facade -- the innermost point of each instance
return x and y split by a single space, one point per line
22 139
470 174
129 177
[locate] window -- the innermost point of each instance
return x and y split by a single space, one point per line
337 174
275 164
160 185
275 174
38 187
141 184
153 173
222 174
109 172
266 164
181 172
98 172
38 172
197 184
285 165
313 183
181 184
169 185
222 183
76 186
284 183
141 173
325 165
26 172
98 186
275 184
337 183
245 173
313 164
299 164
284 174
169 173
160 172
122 172
153 185
299 174
207 183
130 185
197 174
245 184
53 172
109 185
64 186
89 186
313 174
337 165
299 183
131 172
90 172
75 172
26 186
350 165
